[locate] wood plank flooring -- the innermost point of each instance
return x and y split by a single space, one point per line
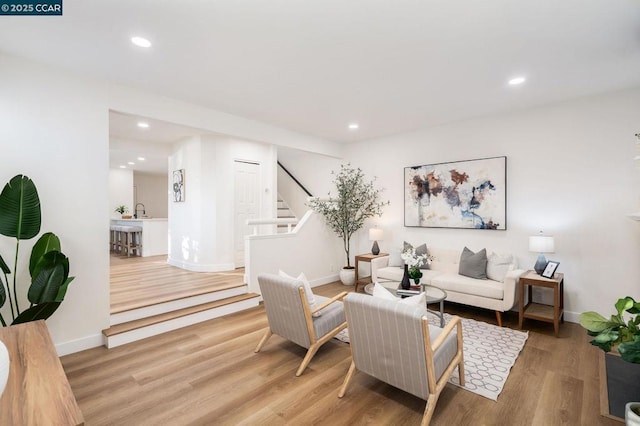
208 374
142 281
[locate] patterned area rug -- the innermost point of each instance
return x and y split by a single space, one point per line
489 353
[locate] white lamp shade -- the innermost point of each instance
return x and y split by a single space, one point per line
375 234
541 244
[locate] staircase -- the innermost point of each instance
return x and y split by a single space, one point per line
178 298
284 212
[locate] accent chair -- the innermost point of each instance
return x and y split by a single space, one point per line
291 317
394 343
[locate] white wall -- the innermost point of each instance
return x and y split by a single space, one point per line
311 248
120 191
313 170
570 172
201 229
54 128
152 191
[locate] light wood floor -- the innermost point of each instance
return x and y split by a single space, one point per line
142 281
209 374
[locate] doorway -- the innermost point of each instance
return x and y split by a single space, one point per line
246 204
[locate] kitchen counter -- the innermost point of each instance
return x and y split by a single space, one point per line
155 234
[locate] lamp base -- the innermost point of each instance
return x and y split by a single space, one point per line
375 249
541 263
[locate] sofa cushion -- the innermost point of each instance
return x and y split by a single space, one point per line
473 265
498 265
392 273
421 249
395 258
461 284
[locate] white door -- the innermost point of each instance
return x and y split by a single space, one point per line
247 204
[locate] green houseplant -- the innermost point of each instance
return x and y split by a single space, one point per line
345 213
20 218
621 331
122 209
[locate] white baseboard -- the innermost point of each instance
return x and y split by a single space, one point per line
324 280
572 317
78 345
198 267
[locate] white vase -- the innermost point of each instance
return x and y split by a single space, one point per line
348 276
4 366
631 418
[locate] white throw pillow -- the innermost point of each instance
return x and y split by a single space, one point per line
382 292
395 258
311 299
498 265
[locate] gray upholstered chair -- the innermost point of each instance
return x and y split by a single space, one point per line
394 343
289 315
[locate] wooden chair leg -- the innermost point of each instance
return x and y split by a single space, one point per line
499 318
264 339
307 358
429 409
347 379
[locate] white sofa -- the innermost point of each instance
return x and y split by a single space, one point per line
443 273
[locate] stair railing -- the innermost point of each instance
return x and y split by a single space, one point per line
290 222
294 179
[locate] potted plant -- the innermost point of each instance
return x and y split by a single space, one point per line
122 210
620 332
345 213
20 218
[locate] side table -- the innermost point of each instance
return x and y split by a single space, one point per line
365 258
537 311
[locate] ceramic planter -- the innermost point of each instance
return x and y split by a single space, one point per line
348 276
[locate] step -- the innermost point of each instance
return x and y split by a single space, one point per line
204 295
132 331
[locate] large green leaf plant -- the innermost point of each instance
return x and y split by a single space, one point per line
20 218
617 330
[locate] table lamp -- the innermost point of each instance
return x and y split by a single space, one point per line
375 235
541 244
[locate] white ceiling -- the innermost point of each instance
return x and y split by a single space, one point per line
315 65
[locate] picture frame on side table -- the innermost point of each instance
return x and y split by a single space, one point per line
550 269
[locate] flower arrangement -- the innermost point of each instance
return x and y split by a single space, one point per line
414 261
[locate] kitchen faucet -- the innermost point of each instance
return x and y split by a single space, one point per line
144 213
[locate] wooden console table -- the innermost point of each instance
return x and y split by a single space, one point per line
37 391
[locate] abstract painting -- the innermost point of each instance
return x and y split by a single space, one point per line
463 194
178 185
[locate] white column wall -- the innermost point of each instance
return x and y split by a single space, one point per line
570 172
202 228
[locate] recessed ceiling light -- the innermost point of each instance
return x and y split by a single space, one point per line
140 158
131 163
140 41
143 125
123 167
516 80
353 126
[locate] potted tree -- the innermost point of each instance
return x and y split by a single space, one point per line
621 332
345 213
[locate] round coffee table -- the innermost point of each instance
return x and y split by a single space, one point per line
434 295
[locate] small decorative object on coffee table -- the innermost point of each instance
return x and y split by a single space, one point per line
405 283
549 313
